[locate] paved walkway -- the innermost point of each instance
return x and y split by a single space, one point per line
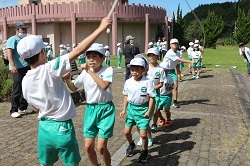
211 127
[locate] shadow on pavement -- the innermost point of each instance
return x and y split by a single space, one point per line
199 101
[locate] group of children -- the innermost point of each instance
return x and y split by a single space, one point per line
146 93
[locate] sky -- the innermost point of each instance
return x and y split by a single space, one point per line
170 5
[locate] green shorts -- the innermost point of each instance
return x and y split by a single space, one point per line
55 138
197 65
99 118
172 73
135 116
181 65
164 101
189 57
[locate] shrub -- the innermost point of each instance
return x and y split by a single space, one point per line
6 82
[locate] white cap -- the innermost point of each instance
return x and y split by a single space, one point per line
129 37
118 44
191 43
30 46
106 47
137 62
61 46
183 47
154 51
48 46
196 45
164 65
174 41
150 44
196 41
142 57
96 47
64 46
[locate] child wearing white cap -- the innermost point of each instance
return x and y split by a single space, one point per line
100 111
49 53
189 51
172 57
196 56
45 90
107 55
119 55
138 103
63 50
180 66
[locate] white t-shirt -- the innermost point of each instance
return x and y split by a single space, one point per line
63 52
157 73
94 93
171 58
107 55
190 50
44 88
168 81
247 52
49 53
164 45
138 92
196 55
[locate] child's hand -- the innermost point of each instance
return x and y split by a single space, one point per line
66 76
122 114
85 67
106 21
146 115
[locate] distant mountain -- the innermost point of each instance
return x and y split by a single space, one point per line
228 11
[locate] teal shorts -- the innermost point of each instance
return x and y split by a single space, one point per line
189 57
164 101
172 73
181 65
55 138
197 65
135 116
99 119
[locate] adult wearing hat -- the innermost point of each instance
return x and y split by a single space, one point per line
245 52
18 68
172 58
129 51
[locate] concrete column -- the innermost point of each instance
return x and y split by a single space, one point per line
5 29
34 24
73 28
146 32
171 29
166 30
114 33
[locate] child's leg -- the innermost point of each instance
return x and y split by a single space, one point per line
102 149
90 150
127 132
198 71
143 135
168 113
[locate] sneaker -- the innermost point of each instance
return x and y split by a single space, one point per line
193 77
176 105
182 75
118 67
150 142
168 123
27 111
139 143
130 150
15 115
190 73
153 128
161 122
143 158
197 77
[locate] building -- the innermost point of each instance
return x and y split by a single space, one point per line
70 21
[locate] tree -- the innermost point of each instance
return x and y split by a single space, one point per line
243 26
178 31
213 26
193 31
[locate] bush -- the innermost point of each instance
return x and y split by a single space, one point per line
6 82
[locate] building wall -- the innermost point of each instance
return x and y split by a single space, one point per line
24 2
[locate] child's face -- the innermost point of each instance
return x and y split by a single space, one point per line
174 46
137 71
196 48
152 58
94 60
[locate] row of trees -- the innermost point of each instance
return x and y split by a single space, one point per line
215 25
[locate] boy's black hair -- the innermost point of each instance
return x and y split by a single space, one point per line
100 55
138 66
32 60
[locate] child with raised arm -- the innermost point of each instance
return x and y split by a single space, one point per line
44 89
138 103
100 111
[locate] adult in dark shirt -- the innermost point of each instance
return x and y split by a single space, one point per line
129 51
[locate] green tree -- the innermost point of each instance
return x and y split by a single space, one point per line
178 31
243 27
213 26
193 31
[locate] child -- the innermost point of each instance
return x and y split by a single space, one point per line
196 57
189 51
181 64
107 55
82 59
165 98
138 103
119 55
100 111
157 73
45 90
49 53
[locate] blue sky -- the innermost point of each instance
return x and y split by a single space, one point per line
170 5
